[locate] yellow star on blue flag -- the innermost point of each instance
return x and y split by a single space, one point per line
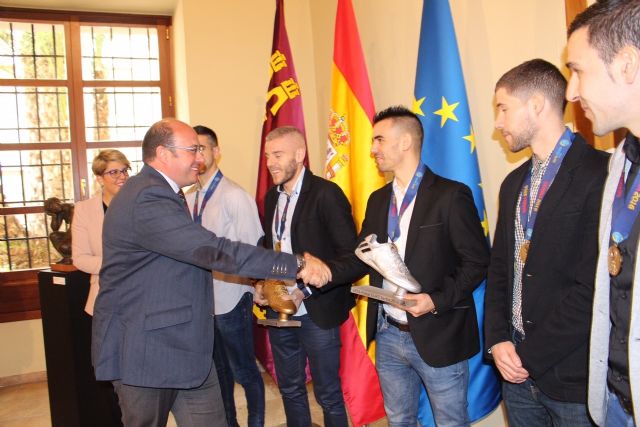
446 112
471 138
416 106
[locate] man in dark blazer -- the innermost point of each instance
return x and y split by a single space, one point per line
540 285
153 318
439 235
305 213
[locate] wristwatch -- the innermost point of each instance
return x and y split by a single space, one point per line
301 262
304 288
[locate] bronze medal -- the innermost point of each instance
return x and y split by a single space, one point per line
278 247
614 260
524 251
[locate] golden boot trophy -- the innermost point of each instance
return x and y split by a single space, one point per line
277 295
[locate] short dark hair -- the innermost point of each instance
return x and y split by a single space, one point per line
536 75
408 120
611 24
203 130
160 133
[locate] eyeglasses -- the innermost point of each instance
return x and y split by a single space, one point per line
194 148
115 173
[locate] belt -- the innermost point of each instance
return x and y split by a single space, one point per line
404 327
627 404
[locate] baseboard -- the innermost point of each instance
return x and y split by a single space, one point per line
31 377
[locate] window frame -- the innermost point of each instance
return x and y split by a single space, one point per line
19 296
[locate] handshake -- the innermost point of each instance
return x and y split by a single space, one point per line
275 294
314 272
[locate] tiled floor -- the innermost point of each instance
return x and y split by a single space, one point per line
27 405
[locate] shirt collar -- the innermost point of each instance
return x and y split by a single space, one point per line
171 182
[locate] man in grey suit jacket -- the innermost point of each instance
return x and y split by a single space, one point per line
604 59
153 318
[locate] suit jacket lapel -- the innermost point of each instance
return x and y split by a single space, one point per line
422 202
559 187
300 203
383 215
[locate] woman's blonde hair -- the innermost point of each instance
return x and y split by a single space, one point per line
100 162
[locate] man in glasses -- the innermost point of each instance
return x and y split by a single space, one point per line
225 208
153 325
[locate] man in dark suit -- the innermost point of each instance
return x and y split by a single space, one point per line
153 318
540 285
435 226
305 213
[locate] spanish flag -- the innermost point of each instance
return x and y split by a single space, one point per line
349 164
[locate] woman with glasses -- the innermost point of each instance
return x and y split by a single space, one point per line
111 169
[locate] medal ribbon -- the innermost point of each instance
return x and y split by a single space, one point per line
625 209
529 211
197 214
281 223
393 222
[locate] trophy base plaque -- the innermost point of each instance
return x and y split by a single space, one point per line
382 295
281 322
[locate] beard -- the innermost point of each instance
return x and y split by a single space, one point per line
288 172
523 138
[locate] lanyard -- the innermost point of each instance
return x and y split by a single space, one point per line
528 210
197 213
281 223
625 209
393 222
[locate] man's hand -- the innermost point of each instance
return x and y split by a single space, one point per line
508 362
424 304
259 297
315 272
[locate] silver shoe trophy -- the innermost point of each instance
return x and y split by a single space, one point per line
385 259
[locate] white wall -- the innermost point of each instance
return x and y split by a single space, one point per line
22 348
221 50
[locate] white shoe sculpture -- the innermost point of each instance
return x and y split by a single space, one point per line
385 259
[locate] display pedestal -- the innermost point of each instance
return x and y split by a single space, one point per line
76 399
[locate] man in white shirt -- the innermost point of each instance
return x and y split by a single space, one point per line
223 207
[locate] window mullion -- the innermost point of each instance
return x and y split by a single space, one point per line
76 108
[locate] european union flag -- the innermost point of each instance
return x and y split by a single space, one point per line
449 149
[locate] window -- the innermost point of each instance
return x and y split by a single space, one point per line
70 85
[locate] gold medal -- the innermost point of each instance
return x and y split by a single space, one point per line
278 247
524 251
614 260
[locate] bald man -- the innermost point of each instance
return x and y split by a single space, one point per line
308 214
153 318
